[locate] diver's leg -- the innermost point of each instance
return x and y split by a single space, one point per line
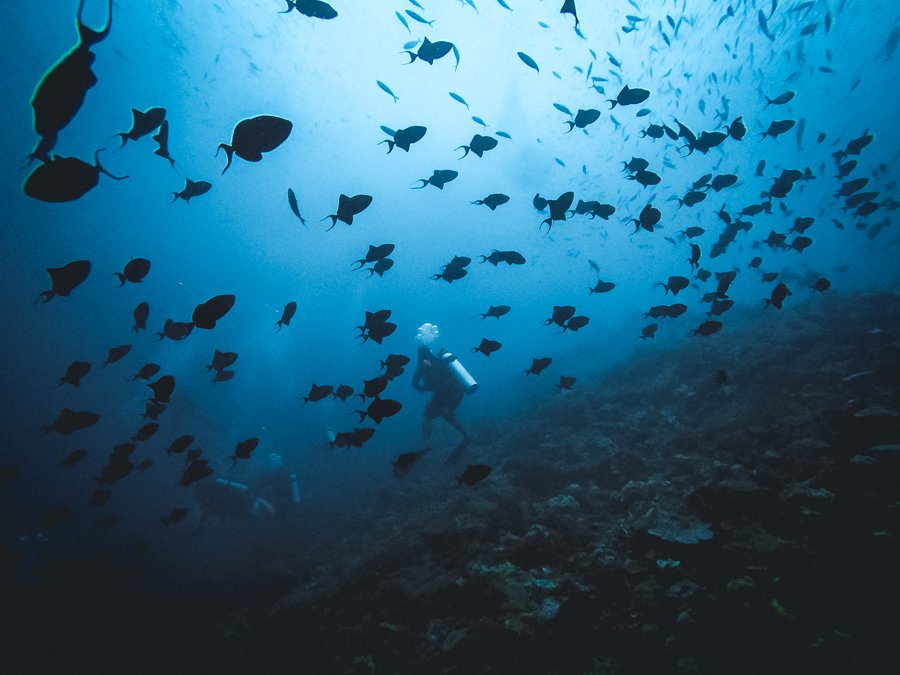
453 422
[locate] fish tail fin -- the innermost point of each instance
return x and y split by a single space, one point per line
229 151
124 139
412 56
571 125
278 325
466 148
121 278
548 222
371 272
613 103
100 166
390 145
175 196
423 182
48 295
334 220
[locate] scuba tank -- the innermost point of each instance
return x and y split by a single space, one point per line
459 372
232 484
295 489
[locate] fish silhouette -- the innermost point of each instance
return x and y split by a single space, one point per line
64 279
61 92
142 123
65 179
254 136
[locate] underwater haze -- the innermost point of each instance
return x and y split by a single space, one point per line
685 211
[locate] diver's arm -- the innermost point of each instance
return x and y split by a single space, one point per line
418 378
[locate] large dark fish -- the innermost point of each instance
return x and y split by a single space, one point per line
629 96
135 270
289 310
142 123
65 179
558 208
192 189
349 207
439 179
254 136
162 140
583 118
492 201
315 9
70 421
479 145
64 279
429 51
60 93
403 138
206 314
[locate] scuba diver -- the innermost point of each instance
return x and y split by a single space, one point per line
444 376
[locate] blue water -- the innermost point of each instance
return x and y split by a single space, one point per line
213 64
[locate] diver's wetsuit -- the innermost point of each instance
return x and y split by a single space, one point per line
434 375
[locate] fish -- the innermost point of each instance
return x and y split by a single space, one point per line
475 473
162 389
402 19
583 118
479 145
295 207
407 460
781 99
569 8
162 142
63 280
343 392
764 25
116 353
65 179
487 347
135 270
629 96
722 181
355 438
146 371
821 285
528 61
74 373
562 109
207 314
180 444
393 365
70 421
403 138
289 310
142 124
439 179
707 328
192 189
566 382
416 17
576 323
777 128
374 254
221 360
492 201
145 432
429 51
538 365
495 311
175 330
558 208
387 90
243 450
315 9
737 129
779 293
458 98
74 457
254 136
318 393
379 409
197 470
647 219
480 121
349 207
62 90
601 287
675 284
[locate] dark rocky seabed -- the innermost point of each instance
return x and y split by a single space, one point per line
652 521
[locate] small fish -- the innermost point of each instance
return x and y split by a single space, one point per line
244 449
458 98
416 17
295 207
257 135
315 9
538 365
475 473
495 311
478 120
487 347
142 124
562 109
387 90
781 99
289 310
528 61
